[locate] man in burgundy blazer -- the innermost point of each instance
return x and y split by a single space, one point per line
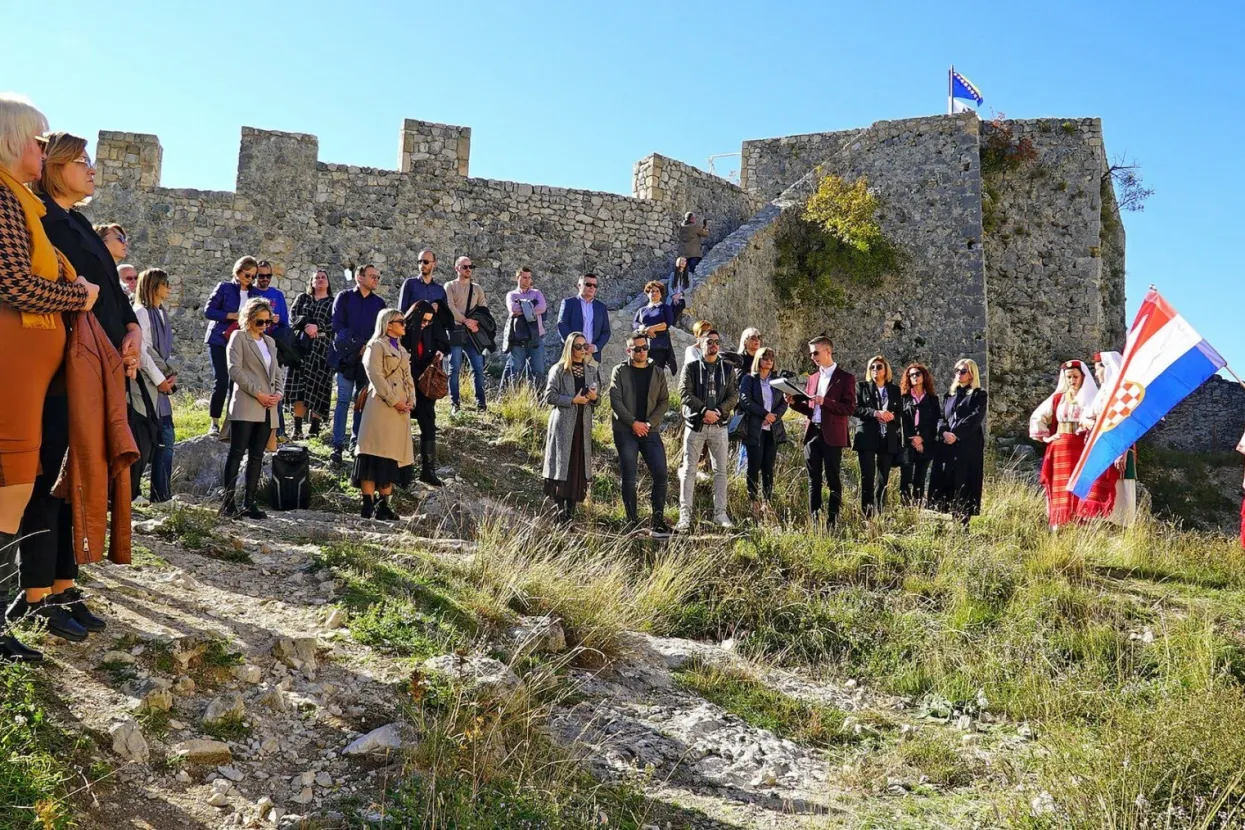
830 404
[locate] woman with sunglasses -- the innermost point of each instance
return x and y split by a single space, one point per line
878 433
258 382
763 408
960 455
571 389
386 455
919 430
222 310
428 342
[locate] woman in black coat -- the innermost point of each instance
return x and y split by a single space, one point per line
921 410
428 342
960 457
49 567
763 409
878 439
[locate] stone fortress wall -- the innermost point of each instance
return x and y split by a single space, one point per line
1018 271
299 212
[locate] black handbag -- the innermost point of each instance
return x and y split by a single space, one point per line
288 353
737 426
458 335
145 429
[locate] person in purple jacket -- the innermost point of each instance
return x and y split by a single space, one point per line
280 328
221 311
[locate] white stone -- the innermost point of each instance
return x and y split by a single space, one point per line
128 741
385 739
229 706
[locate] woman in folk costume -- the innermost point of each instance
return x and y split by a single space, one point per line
1119 482
1057 423
1240 447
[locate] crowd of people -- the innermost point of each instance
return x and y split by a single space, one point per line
97 345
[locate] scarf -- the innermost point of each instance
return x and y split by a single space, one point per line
45 261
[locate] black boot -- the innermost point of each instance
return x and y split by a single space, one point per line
369 506
55 616
428 462
315 427
228 506
566 510
254 469
11 648
73 602
298 429
384 512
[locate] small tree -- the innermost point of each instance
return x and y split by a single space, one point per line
1130 193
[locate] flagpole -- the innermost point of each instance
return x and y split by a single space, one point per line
950 99
1234 374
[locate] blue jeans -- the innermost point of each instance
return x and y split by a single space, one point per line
347 391
162 462
477 370
525 360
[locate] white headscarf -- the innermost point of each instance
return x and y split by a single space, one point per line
1111 363
1089 389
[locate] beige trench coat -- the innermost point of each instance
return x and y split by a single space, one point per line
384 431
251 377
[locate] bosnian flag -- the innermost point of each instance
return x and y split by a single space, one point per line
1164 361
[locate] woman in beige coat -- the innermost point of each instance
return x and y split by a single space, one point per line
386 454
257 385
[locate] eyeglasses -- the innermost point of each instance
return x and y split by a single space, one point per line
639 348
590 285
263 321
963 370
466 268
713 342
118 238
754 337
915 375
260 276
426 261
877 367
398 322
85 161
427 320
579 347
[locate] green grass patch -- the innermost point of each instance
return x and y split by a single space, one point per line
805 722
232 728
190 420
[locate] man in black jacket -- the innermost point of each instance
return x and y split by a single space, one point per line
639 398
707 388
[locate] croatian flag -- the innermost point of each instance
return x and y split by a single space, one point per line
1164 361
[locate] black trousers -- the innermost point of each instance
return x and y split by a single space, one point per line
875 474
818 457
761 465
46 552
630 448
220 369
425 414
912 476
248 438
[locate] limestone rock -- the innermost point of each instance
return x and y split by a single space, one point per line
476 674
539 635
248 674
199 465
128 741
229 706
387 738
204 752
297 653
337 618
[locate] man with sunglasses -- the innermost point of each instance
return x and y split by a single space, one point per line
639 398
707 388
463 296
425 287
829 403
584 312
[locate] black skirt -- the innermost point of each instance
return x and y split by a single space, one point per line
382 472
575 488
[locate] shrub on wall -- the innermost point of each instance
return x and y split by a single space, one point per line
833 245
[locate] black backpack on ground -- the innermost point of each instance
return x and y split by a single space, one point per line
290 487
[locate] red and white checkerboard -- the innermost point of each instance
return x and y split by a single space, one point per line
1127 399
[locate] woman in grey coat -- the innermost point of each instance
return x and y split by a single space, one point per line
572 390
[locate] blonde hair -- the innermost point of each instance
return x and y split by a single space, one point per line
253 306
762 353
382 322
700 327
63 149
19 122
887 377
244 263
974 375
568 353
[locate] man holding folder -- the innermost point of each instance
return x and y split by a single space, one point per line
828 402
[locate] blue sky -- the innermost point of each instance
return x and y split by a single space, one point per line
572 94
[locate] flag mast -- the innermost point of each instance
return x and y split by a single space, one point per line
950 93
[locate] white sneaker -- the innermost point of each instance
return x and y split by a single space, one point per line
683 526
724 522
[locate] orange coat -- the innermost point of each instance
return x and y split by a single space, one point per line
101 447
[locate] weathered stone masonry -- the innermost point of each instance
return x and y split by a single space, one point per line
299 212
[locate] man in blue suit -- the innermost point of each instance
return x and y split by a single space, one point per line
586 313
